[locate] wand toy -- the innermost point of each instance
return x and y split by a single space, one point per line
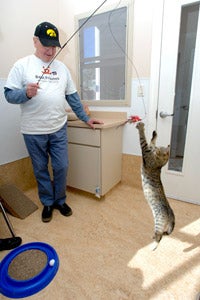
133 119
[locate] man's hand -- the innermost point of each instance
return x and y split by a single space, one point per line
91 122
31 89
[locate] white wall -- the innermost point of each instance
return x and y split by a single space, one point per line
12 144
18 21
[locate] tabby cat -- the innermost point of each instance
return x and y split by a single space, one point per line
154 159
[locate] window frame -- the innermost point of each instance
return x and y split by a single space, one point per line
129 54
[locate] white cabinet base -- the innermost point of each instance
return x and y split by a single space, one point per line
95 158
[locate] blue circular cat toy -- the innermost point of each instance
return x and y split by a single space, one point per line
28 269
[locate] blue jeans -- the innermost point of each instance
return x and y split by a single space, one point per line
41 147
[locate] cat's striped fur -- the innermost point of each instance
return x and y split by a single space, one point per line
154 159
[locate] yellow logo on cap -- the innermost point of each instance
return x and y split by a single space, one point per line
51 32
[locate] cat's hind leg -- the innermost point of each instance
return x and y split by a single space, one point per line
170 228
171 222
157 237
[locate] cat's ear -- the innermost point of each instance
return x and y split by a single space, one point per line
168 149
153 139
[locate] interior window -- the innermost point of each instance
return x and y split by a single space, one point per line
103 52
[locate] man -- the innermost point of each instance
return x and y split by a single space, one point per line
42 85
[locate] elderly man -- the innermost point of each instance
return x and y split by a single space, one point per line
42 85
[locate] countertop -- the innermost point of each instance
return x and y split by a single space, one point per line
109 119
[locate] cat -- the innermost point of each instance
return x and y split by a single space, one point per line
154 158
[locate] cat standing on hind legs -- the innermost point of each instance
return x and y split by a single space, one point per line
154 158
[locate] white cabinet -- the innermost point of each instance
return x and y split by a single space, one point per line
95 158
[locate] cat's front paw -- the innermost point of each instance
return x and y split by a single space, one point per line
140 125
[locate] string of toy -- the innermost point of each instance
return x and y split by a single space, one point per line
132 118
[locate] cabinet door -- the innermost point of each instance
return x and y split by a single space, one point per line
84 167
111 158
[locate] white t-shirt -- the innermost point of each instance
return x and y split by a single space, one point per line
44 113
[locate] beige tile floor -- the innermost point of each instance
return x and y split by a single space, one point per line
104 248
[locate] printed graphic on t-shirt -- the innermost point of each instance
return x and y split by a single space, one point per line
47 75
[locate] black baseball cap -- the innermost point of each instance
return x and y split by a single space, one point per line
48 34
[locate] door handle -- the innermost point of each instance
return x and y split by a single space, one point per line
164 114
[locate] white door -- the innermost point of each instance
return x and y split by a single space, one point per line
178 110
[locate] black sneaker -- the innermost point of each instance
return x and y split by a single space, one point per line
64 209
10 243
47 213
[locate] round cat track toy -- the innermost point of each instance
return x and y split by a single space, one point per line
28 269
